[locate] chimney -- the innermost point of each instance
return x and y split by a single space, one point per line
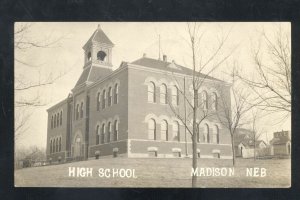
165 58
144 55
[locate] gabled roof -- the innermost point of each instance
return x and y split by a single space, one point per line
168 66
249 143
241 134
92 74
280 140
99 36
281 137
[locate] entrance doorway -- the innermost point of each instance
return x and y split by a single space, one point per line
77 147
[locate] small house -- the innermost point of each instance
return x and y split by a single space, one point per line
281 144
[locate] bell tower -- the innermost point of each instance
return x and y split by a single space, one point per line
98 50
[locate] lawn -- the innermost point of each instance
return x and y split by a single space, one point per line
158 172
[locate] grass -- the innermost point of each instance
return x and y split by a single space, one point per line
155 172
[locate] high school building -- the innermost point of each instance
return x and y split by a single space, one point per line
127 112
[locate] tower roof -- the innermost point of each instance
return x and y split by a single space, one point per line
92 74
99 36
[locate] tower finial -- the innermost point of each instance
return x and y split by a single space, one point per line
99 26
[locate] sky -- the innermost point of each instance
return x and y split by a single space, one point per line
65 57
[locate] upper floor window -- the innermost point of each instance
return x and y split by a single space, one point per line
109 96
103 99
51 121
77 112
81 110
175 95
176 134
98 101
97 134
54 120
204 100
164 130
102 133
214 101
116 130
60 119
163 94
57 122
152 129
101 55
116 90
151 92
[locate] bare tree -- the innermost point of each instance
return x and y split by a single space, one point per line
32 154
232 112
26 89
256 133
196 111
271 83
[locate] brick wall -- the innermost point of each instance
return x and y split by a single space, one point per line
164 149
107 149
139 107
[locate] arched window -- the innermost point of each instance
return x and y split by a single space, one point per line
57 122
81 110
53 146
164 130
204 100
60 119
175 95
108 132
50 146
59 147
163 94
102 133
77 111
176 131
152 129
97 134
103 99
116 130
214 101
98 101
89 56
51 121
54 120
198 134
101 55
216 135
206 133
109 96
56 145
151 92
116 95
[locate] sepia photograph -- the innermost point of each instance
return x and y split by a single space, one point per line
152 104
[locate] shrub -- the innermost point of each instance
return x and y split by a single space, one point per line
97 154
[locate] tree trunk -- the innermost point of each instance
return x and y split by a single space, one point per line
233 151
194 137
194 144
